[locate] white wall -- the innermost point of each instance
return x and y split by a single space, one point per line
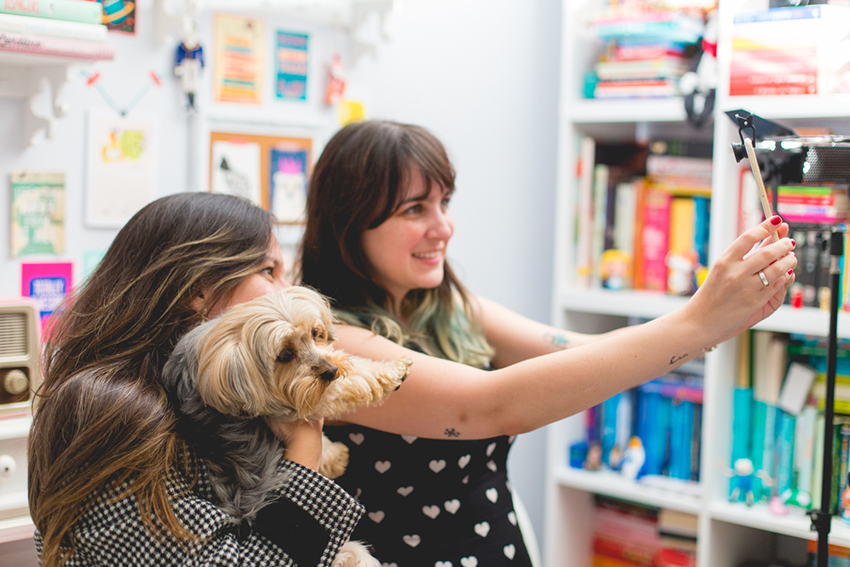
483 76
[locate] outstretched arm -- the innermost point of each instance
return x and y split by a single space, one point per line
441 396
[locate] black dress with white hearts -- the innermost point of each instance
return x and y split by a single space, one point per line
439 503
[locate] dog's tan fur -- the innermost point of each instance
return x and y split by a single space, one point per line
272 358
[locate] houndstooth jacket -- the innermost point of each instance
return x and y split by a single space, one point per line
305 527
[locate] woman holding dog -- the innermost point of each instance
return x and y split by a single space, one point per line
429 464
111 480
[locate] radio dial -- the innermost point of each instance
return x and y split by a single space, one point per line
15 382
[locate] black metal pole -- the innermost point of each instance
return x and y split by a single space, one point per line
821 519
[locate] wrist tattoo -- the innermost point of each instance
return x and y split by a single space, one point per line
675 359
559 340
452 432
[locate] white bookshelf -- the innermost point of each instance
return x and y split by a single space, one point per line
729 533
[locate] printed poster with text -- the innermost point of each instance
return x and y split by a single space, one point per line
289 184
46 284
238 74
38 212
291 65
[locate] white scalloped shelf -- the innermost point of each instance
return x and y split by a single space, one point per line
593 111
761 518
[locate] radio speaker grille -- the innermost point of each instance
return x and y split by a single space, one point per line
13 334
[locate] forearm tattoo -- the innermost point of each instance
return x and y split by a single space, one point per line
452 432
675 359
559 340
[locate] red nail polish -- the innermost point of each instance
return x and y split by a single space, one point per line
775 220
793 243
790 272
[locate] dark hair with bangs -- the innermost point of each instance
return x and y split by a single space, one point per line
358 183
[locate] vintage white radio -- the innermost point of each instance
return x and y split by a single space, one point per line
19 379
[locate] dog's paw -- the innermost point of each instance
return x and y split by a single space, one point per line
401 369
334 458
354 554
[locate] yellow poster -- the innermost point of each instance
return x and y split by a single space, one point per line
238 73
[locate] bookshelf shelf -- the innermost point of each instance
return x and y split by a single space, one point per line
642 304
727 532
760 517
609 483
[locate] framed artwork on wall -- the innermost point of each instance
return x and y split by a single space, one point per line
270 170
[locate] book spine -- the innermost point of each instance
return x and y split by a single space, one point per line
609 426
757 445
55 28
600 215
804 445
70 10
785 451
55 46
702 215
584 220
655 239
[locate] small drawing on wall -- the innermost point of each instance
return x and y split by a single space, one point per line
236 169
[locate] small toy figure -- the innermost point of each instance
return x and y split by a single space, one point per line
742 475
616 269
845 502
336 82
680 280
633 459
188 63
594 457
796 501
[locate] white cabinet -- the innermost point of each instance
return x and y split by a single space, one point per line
728 533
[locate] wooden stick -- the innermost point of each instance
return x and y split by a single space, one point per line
754 165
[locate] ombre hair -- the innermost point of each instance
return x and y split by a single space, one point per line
102 418
358 182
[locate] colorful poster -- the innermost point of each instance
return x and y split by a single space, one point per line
119 15
289 184
122 166
238 73
236 169
46 284
38 212
291 66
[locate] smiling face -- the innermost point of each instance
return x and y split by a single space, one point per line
408 250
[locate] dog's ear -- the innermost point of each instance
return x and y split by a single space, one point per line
321 303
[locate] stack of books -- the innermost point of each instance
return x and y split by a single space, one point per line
69 29
646 49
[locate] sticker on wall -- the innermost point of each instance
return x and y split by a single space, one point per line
46 284
122 166
238 70
119 15
38 212
291 66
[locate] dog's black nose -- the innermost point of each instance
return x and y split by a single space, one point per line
329 375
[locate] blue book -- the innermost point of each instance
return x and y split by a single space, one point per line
609 426
780 14
757 445
785 451
701 222
768 459
657 427
681 434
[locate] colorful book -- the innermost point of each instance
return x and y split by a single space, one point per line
655 239
13 42
70 10
804 448
600 217
702 216
584 218
785 451
55 28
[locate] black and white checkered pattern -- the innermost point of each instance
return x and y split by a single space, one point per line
112 533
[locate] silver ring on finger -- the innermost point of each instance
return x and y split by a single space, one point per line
763 279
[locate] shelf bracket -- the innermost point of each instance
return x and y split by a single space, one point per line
42 88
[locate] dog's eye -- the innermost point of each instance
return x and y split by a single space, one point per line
315 333
285 356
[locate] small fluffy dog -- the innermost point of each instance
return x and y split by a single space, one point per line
270 357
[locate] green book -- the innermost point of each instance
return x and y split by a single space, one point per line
69 10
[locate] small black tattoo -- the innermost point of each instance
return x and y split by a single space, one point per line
452 432
560 340
675 359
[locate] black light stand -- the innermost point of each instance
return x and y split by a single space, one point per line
821 159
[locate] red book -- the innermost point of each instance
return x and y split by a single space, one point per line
655 239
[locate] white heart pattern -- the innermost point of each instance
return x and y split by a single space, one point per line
404 490
492 495
409 438
382 466
431 511
389 564
512 517
357 438
437 466
452 506
376 516
482 529
510 551
412 540
465 480
492 466
490 448
443 564
470 561
463 461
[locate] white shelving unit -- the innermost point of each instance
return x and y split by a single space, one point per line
728 533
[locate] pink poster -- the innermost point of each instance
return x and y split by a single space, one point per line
46 284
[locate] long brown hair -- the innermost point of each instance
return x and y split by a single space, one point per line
101 416
358 182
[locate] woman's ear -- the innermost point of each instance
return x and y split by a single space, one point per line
198 304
